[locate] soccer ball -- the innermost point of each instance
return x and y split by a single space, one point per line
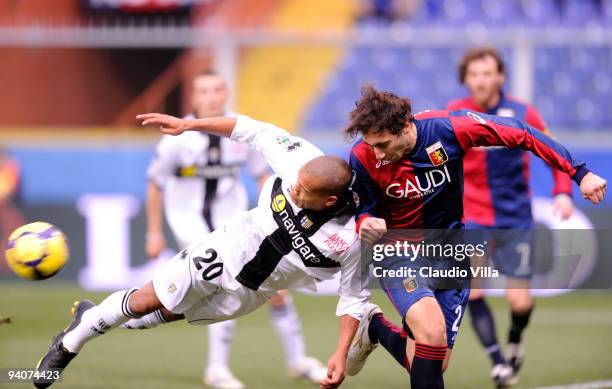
37 251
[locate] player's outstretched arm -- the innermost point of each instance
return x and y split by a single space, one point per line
474 130
220 125
354 295
285 153
336 365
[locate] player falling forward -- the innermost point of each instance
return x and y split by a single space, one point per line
394 165
301 232
497 196
196 178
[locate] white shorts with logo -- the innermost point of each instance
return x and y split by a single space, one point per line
196 283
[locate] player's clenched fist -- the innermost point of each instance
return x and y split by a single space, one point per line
593 188
167 124
371 229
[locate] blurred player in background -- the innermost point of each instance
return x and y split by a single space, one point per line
10 216
301 233
497 196
409 176
196 178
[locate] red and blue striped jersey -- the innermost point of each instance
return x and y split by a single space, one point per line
496 179
425 188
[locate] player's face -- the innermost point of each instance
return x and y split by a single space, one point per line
305 195
209 96
387 146
484 81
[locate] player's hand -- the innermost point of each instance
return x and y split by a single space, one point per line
167 124
154 245
372 229
336 371
563 206
593 188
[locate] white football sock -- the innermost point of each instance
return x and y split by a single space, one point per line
287 324
146 322
219 341
99 319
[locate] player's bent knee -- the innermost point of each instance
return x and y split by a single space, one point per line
436 337
426 322
144 301
432 334
169 316
521 307
520 301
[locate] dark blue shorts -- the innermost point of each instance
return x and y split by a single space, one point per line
403 293
509 249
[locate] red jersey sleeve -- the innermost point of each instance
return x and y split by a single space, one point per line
478 129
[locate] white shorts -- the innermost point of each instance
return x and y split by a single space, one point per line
192 283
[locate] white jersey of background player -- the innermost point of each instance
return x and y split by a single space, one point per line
302 232
198 177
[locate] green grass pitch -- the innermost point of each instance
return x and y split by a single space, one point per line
569 341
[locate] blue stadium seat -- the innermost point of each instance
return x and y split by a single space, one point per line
606 12
546 107
540 13
580 13
600 85
578 81
501 13
461 12
573 86
428 76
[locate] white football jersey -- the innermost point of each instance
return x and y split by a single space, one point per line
183 164
280 246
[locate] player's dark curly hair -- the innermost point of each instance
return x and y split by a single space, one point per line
379 111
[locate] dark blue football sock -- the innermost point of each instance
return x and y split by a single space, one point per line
518 323
426 371
392 338
484 325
